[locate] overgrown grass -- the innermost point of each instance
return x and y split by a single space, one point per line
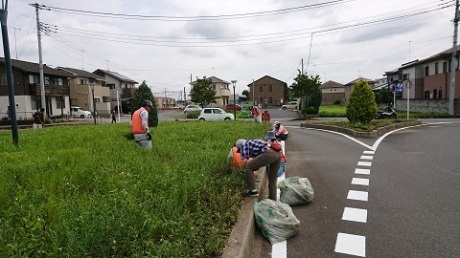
339 111
87 191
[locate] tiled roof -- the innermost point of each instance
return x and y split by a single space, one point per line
81 73
213 79
360 78
116 75
266 76
30 67
331 84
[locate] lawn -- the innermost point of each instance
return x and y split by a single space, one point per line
87 191
339 111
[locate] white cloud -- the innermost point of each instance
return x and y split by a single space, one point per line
166 53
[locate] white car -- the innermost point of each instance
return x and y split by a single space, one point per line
290 105
79 112
190 108
215 114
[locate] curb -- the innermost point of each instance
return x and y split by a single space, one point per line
241 241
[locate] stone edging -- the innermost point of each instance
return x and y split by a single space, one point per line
374 134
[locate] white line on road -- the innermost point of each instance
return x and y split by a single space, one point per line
355 215
360 181
362 171
368 152
351 244
279 250
357 195
364 157
364 163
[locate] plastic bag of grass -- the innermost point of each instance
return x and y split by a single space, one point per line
296 191
275 220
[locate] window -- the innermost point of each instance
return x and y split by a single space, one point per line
406 76
427 70
213 87
59 81
111 85
261 88
270 99
60 102
34 79
83 81
435 94
427 94
47 80
3 79
444 67
270 88
436 68
207 111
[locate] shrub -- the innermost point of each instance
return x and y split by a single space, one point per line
361 106
337 102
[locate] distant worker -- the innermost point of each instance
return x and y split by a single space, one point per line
266 116
114 120
257 114
140 125
280 131
38 119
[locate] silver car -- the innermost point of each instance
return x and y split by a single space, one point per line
215 114
190 108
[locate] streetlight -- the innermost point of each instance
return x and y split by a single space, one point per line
94 102
234 98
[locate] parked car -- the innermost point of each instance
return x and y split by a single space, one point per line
290 105
79 112
215 114
190 108
232 106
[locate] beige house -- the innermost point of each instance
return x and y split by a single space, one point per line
331 92
222 89
81 85
164 102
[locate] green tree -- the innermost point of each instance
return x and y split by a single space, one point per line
142 93
202 92
361 106
308 89
383 96
245 93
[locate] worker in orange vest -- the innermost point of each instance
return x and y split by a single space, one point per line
280 131
266 116
140 125
257 114
237 160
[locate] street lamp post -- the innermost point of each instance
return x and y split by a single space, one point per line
94 103
234 98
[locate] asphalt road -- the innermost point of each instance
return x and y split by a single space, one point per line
397 197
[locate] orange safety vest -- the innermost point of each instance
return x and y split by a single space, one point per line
237 159
283 130
136 122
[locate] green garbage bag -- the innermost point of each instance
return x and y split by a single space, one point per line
275 220
296 191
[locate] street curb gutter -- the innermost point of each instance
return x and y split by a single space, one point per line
241 240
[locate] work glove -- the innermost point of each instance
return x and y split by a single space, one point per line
149 136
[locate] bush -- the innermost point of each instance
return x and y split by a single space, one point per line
337 102
193 114
361 106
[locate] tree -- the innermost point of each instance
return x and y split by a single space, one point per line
202 92
245 93
308 89
142 93
361 106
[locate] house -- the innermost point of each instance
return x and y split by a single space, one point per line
332 92
268 91
349 86
222 89
82 84
27 90
121 88
164 102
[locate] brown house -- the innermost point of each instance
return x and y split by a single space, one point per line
268 91
331 92
27 90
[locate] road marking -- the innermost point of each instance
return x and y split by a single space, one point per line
369 152
279 250
362 171
344 135
367 157
357 195
355 215
364 163
360 181
351 244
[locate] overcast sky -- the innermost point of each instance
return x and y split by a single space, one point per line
167 42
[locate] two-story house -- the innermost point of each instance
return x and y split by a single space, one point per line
268 91
82 84
222 89
27 90
120 86
349 86
331 92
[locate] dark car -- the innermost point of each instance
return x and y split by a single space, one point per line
232 106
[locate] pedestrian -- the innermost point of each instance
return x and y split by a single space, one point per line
140 125
266 116
280 131
39 119
114 120
263 155
257 114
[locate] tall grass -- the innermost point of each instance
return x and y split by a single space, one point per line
87 191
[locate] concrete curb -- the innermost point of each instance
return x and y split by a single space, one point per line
241 241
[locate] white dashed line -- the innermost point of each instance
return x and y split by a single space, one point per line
355 215
279 250
357 195
367 152
360 181
364 163
351 244
367 157
362 171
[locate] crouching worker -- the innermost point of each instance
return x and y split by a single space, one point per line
263 155
140 125
237 160
273 142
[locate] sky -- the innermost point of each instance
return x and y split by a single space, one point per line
169 42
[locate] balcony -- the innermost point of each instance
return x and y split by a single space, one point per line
51 90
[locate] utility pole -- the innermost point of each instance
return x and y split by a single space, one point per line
9 72
40 60
454 63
